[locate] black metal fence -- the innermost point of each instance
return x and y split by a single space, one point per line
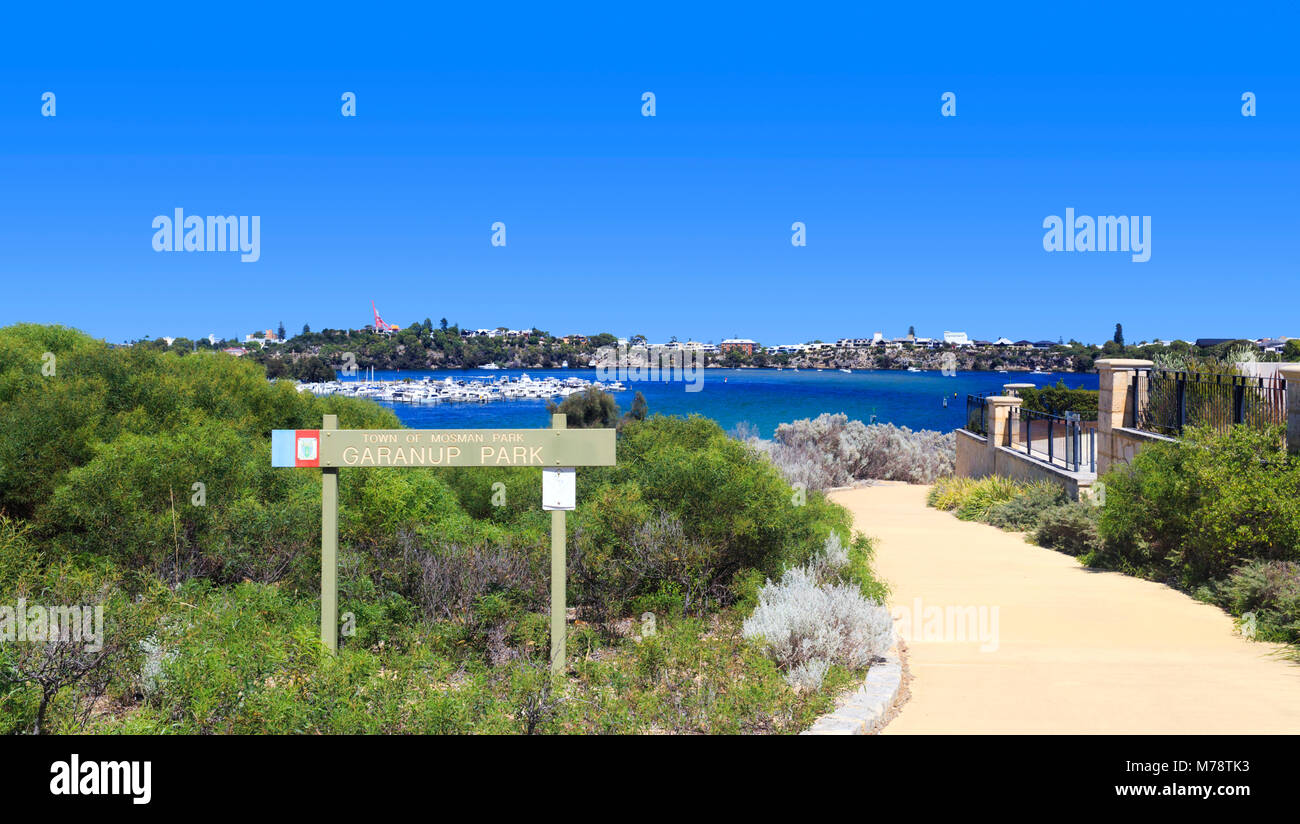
975 420
1167 401
1069 442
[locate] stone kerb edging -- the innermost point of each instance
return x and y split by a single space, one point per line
865 710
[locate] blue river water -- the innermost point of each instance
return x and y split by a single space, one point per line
762 397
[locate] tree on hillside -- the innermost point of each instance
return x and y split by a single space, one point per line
279 332
592 409
911 330
1119 334
312 370
306 329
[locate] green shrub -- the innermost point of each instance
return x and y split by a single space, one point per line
1059 399
726 497
1069 527
948 493
48 685
1021 513
1270 590
985 494
1196 508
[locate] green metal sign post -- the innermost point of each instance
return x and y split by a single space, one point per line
329 549
559 573
557 451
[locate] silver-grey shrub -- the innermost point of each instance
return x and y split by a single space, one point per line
827 563
831 450
799 620
808 677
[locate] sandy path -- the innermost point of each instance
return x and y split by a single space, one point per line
1077 651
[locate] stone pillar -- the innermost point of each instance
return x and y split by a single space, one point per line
1291 372
1013 390
1000 411
1115 406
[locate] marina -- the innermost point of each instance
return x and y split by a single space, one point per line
430 390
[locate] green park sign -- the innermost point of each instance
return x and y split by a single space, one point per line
557 451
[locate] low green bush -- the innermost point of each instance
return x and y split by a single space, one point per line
1271 591
986 494
947 494
1021 513
1069 527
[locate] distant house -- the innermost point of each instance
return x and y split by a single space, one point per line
1003 342
1208 342
1044 344
743 345
788 348
261 338
1275 345
956 339
236 351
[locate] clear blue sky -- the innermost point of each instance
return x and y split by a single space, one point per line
672 225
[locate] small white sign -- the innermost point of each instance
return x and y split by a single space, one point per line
559 488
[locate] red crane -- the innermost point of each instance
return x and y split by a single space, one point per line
380 325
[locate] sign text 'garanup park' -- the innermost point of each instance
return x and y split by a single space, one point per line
441 447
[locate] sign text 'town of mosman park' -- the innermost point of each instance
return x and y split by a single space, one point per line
441 447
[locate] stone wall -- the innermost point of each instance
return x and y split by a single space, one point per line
1126 442
973 459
